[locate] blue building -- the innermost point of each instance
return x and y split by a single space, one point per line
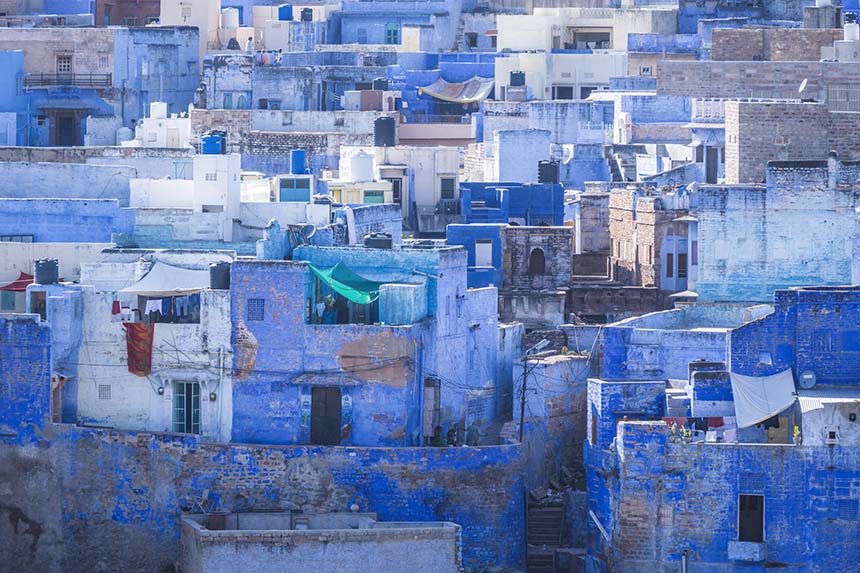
775 487
484 244
529 204
13 100
64 220
359 346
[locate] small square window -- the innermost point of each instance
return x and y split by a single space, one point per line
447 187
256 310
104 391
212 176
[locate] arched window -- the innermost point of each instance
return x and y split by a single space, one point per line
242 103
228 101
537 262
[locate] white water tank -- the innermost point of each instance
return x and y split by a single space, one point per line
852 32
230 18
361 167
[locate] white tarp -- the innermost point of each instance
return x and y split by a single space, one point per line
167 280
758 398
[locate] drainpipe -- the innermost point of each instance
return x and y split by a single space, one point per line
684 556
221 391
419 373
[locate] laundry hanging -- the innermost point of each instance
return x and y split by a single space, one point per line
138 338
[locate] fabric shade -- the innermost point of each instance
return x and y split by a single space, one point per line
474 90
758 398
19 284
348 284
167 280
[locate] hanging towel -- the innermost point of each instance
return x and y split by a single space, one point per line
138 339
152 306
115 308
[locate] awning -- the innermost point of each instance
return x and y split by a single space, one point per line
19 284
348 284
474 90
167 280
759 398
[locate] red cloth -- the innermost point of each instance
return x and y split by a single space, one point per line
115 309
138 339
19 284
716 422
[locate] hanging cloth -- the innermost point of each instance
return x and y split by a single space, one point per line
138 339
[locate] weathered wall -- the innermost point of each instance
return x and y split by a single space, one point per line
520 243
772 44
68 181
64 220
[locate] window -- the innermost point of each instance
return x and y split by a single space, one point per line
256 311
484 253
213 176
670 265
396 189
186 13
129 21
563 92
374 197
472 39
107 15
447 187
7 300
694 254
682 265
228 101
151 19
242 103
16 238
64 64
751 518
104 61
432 407
537 262
186 407
287 118
392 34
493 41
104 391
644 70
361 35
700 154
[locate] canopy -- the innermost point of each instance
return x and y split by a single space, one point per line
474 90
19 284
167 280
760 398
348 284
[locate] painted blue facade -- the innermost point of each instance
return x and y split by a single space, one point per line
530 204
428 327
467 236
811 329
68 7
65 220
13 98
132 488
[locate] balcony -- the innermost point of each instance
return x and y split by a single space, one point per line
72 80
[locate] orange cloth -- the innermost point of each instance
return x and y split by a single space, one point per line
138 339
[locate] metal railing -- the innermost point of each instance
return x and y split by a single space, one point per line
75 80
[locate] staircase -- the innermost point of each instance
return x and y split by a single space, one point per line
544 535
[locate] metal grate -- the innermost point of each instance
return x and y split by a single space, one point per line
104 391
256 310
848 509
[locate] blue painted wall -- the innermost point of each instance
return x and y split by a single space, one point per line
12 95
65 220
532 204
466 236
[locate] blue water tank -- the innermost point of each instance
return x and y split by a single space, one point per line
285 12
46 271
211 144
298 162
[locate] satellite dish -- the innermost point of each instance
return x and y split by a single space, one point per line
308 231
807 380
803 85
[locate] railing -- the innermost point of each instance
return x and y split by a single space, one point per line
76 80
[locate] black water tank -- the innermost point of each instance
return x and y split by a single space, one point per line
518 79
378 241
384 132
46 271
380 84
219 275
547 172
307 15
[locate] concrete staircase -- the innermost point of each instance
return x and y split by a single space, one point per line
544 535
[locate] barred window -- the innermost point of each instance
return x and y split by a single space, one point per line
256 310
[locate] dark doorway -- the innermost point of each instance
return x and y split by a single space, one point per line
325 416
711 162
67 130
537 262
751 518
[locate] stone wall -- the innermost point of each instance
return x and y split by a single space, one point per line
520 243
772 44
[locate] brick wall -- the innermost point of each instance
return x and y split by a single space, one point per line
771 44
519 244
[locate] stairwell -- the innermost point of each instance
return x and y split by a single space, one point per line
545 522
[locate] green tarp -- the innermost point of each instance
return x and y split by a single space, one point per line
348 284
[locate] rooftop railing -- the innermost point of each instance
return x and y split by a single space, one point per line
74 80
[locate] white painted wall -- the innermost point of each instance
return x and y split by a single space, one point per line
161 193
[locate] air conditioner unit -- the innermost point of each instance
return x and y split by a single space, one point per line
831 437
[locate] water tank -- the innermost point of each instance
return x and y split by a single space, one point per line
46 271
298 162
547 172
229 18
219 275
518 79
852 32
380 84
378 241
361 167
850 18
213 143
285 12
384 132
307 15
